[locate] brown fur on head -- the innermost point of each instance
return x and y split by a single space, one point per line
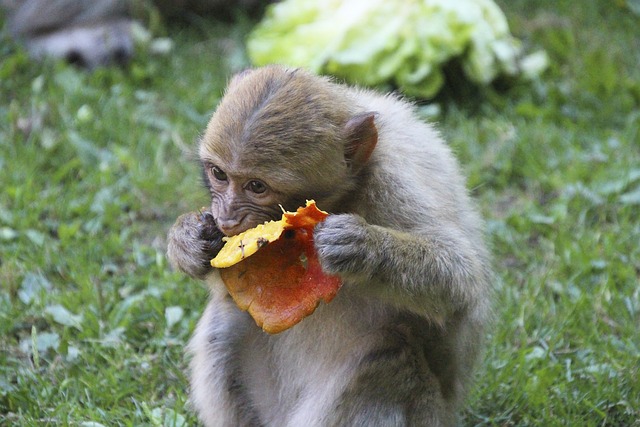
291 130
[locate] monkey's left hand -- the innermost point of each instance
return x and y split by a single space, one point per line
344 244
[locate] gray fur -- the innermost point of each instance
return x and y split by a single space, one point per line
398 344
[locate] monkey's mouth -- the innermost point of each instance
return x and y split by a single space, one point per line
231 230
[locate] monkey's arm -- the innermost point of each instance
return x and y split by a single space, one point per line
435 274
194 240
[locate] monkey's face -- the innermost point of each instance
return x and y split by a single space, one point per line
240 199
278 138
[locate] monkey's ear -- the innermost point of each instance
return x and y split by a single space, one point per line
362 137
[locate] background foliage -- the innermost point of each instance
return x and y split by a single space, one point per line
94 168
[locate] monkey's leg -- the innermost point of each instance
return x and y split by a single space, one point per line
394 386
217 391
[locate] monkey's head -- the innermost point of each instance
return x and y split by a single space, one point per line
281 136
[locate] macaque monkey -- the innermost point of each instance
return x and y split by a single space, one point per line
398 343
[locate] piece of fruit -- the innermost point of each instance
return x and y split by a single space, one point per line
272 271
245 244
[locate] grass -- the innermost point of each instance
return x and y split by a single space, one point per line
96 166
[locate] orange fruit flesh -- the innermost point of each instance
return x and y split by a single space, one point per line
272 271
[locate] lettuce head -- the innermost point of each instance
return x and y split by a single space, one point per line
399 43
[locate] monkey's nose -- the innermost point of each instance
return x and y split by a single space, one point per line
230 227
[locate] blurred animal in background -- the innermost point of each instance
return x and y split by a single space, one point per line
99 32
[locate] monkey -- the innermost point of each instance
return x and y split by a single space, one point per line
398 344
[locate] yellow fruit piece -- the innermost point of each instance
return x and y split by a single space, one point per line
247 243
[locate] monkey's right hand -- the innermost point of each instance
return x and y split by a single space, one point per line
194 240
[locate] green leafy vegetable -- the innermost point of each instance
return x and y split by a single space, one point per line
404 43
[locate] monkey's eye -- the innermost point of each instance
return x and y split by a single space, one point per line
218 173
257 187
